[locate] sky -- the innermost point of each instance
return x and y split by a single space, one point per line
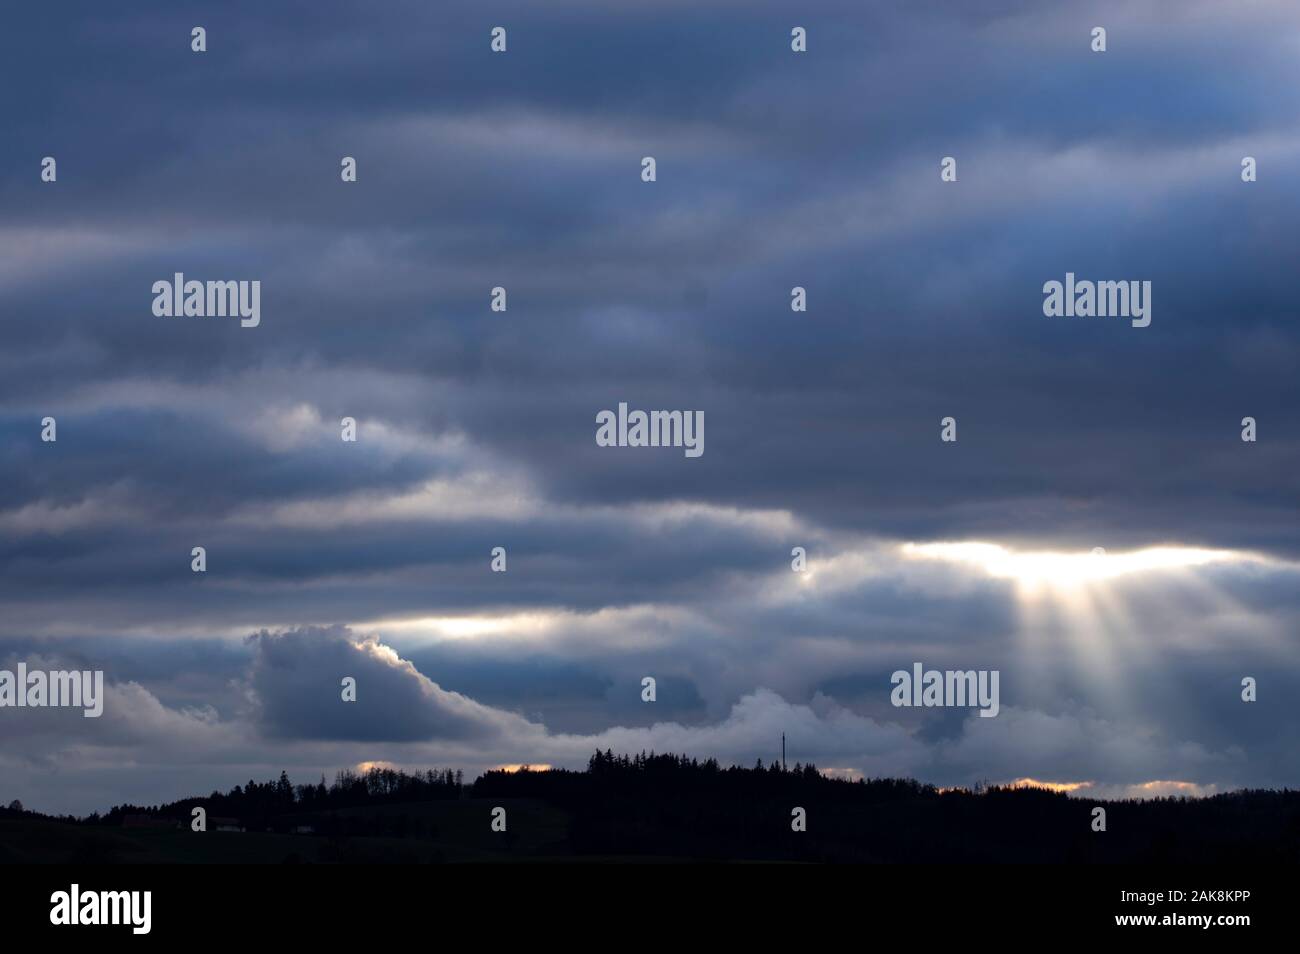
476 429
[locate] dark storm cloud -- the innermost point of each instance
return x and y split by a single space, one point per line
392 701
476 429
677 293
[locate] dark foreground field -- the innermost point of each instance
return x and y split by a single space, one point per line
660 808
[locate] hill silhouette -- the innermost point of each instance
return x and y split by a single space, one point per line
649 806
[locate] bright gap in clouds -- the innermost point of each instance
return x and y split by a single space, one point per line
466 627
1082 604
1065 570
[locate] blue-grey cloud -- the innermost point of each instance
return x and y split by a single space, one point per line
476 428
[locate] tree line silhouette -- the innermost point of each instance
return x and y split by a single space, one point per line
674 806
280 805
668 805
